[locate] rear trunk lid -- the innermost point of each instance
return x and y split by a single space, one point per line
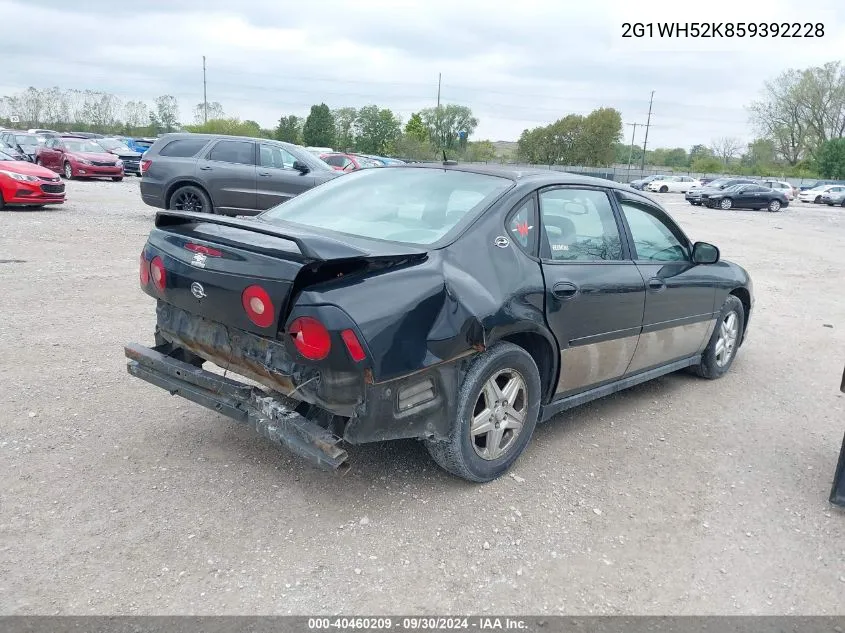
210 260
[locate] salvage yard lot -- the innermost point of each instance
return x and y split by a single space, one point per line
679 496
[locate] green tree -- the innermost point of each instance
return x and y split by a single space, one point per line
376 129
165 117
480 152
289 129
445 122
318 130
345 120
412 148
707 165
600 131
760 155
227 126
699 151
415 128
215 111
830 159
677 158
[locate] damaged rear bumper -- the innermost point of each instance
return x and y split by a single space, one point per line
273 415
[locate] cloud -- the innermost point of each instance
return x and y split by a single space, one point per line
517 65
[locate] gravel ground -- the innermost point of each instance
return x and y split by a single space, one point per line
681 496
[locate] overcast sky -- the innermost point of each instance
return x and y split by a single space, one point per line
516 64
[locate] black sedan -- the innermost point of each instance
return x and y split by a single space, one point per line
459 306
746 197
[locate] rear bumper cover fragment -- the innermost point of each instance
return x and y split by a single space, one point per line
273 415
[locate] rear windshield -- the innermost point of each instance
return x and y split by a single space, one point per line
418 206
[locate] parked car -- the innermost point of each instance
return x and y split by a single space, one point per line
226 174
348 162
140 145
746 197
694 195
23 142
815 194
780 185
16 154
84 134
641 183
43 132
465 355
131 159
383 160
79 158
833 197
23 184
819 183
673 184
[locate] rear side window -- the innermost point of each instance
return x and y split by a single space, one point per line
240 152
183 148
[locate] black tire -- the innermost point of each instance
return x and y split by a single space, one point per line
774 206
830 204
709 367
664 189
695 204
190 198
458 455
67 171
117 178
2 202
817 200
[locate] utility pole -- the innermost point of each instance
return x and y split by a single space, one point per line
647 125
204 94
438 90
631 152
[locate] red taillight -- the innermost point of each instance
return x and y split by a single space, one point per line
145 165
158 273
258 306
205 250
353 345
145 271
311 338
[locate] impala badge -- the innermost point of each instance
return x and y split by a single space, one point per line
198 260
197 290
502 242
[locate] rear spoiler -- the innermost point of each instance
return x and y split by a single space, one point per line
312 245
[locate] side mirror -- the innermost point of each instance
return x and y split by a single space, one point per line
301 167
704 253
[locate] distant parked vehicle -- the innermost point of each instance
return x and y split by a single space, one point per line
673 184
831 198
694 195
24 142
13 152
641 183
43 132
23 184
84 134
131 160
348 162
79 158
230 175
815 194
746 197
383 160
780 185
140 145
819 183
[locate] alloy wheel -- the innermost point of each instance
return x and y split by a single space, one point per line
726 203
499 414
774 205
188 201
68 171
726 343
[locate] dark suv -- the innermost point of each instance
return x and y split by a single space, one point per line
231 175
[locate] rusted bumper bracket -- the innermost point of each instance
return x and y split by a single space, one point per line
272 415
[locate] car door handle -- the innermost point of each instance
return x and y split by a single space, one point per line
206 168
656 284
264 173
564 290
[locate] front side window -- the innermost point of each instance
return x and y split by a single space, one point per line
655 239
239 152
276 157
412 205
579 225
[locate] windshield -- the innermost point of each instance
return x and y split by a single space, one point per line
28 139
400 204
84 146
113 143
5 156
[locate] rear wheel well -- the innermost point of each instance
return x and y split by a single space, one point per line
745 298
184 183
542 353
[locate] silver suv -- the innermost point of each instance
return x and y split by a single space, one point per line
231 175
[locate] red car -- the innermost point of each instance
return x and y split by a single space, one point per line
26 185
347 162
79 158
